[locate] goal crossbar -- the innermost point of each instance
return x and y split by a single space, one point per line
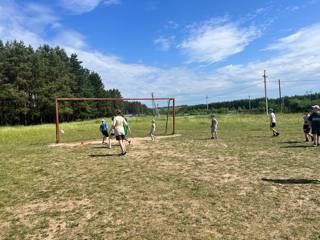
57 99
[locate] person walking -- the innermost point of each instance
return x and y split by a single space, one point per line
118 124
315 124
273 122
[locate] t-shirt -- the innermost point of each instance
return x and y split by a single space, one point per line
118 124
153 128
315 120
273 118
214 123
103 127
306 119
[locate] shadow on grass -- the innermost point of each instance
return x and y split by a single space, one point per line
291 142
104 155
105 146
204 139
297 146
292 181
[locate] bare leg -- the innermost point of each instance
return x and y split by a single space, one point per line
122 146
315 139
310 135
215 135
275 132
103 139
109 142
152 137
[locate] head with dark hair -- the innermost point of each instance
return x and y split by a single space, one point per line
118 112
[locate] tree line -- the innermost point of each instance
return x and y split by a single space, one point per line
30 79
287 104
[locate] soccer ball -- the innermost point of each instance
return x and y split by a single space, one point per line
62 131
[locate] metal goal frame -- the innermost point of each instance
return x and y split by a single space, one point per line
57 99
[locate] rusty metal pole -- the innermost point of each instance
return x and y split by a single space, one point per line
57 120
168 110
174 115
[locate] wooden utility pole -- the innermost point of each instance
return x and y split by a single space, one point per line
280 98
265 89
207 103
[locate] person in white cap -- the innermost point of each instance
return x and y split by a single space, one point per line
315 124
152 132
273 122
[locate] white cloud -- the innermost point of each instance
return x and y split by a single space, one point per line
79 6
70 38
20 23
297 59
214 41
164 43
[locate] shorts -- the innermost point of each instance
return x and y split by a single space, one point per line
105 133
213 129
272 125
306 128
316 131
152 133
120 137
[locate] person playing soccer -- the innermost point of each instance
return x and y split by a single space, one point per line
127 131
315 124
214 127
105 134
307 126
273 122
152 133
118 125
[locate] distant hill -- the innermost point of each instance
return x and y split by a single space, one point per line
290 104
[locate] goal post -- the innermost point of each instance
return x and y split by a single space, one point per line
59 99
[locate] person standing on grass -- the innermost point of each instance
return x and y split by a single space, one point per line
214 127
307 126
105 134
152 133
273 122
315 124
118 125
127 131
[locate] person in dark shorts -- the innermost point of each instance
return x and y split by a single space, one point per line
315 124
273 122
118 125
105 133
214 127
307 127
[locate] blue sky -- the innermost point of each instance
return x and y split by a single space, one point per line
183 49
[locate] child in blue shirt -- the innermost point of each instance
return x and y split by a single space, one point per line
105 133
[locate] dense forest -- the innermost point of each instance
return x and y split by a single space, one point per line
286 104
30 79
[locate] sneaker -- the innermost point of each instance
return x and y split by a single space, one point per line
122 154
315 145
277 134
307 140
109 147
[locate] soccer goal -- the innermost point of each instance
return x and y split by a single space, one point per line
166 117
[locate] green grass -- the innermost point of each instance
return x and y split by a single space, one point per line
246 185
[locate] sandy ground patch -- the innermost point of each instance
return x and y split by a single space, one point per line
135 141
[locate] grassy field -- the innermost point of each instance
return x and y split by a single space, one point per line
246 185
